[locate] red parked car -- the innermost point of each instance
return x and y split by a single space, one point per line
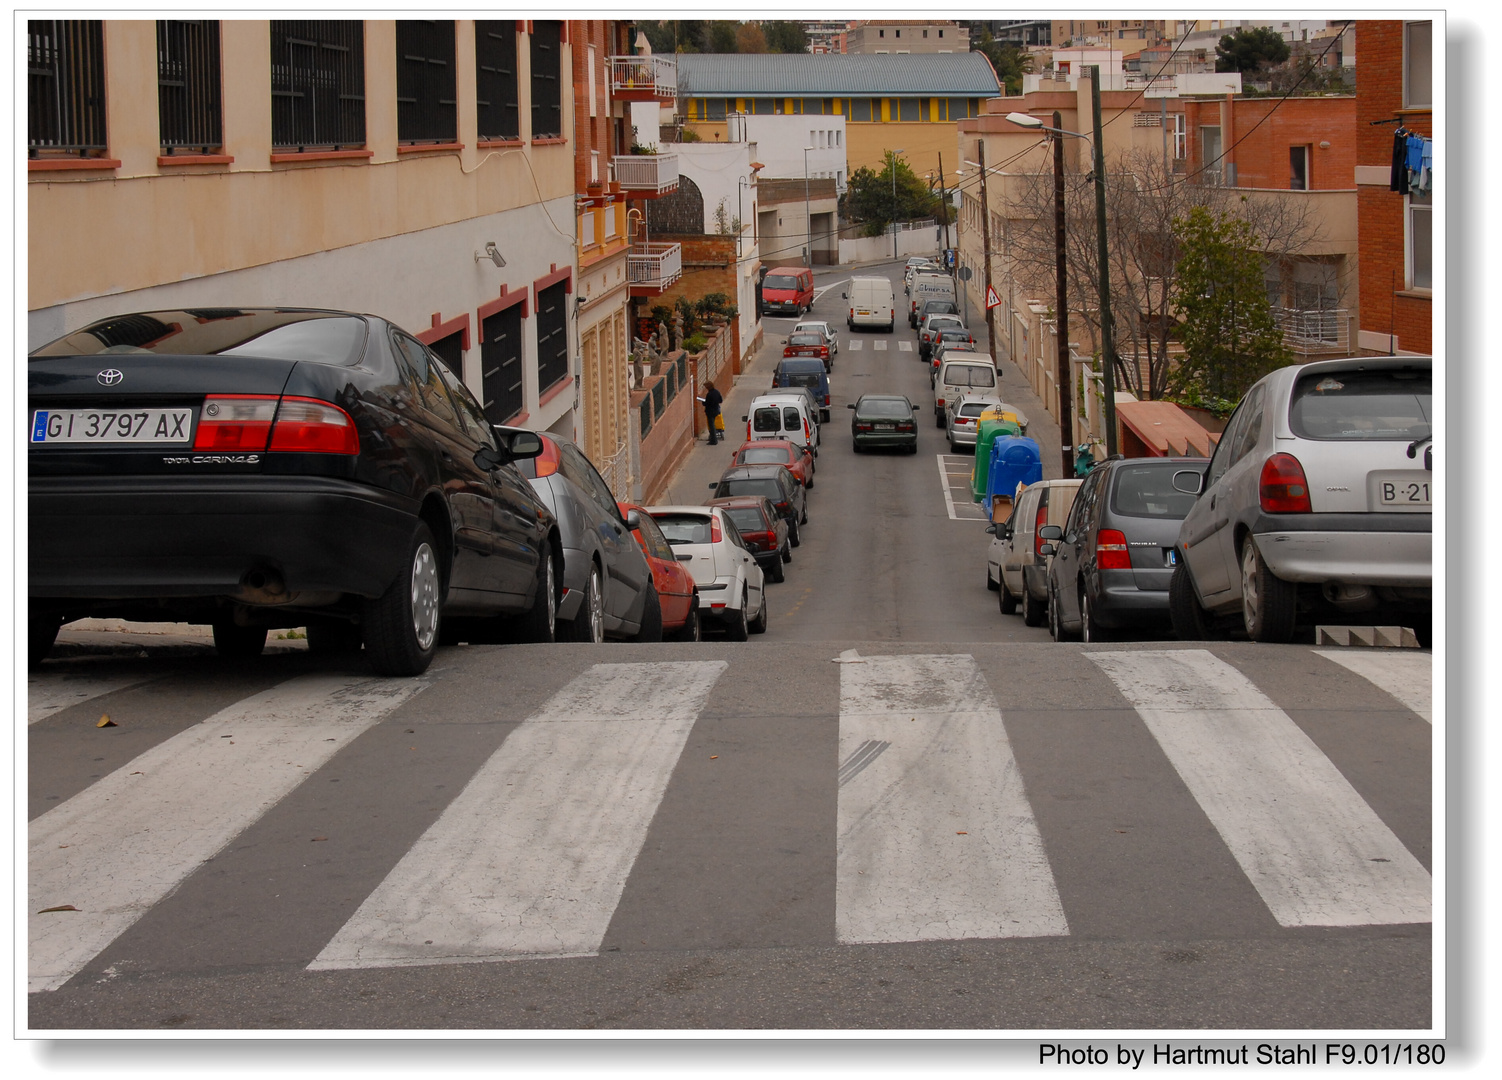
763 530
676 593
807 344
797 458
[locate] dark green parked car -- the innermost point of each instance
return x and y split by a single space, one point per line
884 420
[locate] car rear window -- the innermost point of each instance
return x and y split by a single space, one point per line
1385 404
749 487
779 281
807 338
798 378
764 455
747 519
884 408
970 375
766 420
315 336
973 408
810 366
683 528
1148 491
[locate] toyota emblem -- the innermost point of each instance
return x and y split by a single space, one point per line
109 377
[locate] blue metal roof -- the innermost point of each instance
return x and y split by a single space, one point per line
965 74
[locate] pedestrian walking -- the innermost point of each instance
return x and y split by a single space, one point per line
712 417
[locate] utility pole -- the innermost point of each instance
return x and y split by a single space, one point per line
1107 347
944 202
985 233
1061 304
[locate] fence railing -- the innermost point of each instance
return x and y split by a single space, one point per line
654 265
657 173
1320 331
656 76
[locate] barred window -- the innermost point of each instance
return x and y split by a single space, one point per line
501 364
425 97
547 83
317 84
190 115
552 336
497 113
65 86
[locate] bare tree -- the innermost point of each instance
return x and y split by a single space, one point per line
1144 200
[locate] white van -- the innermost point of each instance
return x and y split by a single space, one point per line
928 287
967 373
785 415
870 302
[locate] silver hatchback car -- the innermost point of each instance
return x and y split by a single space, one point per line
1317 505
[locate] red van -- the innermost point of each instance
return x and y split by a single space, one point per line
787 290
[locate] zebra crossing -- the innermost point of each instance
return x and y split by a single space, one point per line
925 796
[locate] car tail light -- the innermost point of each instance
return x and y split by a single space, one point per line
906 425
826 399
1038 522
715 535
806 433
862 427
235 422
306 425
1111 550
939 402
1283 488
782 507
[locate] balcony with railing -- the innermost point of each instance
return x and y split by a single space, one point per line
646 175
652 268
643 78
1310 333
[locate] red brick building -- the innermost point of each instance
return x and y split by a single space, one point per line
1299 143
1395 230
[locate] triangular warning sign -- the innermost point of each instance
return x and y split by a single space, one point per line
991 298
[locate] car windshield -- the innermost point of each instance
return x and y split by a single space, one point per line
1148 491
747 519
764 455
767 487
970 375
1385 404
319 337
683 528
779 281
885 408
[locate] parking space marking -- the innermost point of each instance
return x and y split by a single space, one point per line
119 846
954 478
530 859
1316 853
936 838
1407 676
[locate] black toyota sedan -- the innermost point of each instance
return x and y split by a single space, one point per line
252 469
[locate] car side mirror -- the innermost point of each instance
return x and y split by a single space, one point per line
1046 549
745 418
915 408
844 296
633 520
713 486
1051 532
850 406
1189 481
526 444
991 529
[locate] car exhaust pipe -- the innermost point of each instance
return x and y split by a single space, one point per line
1350 598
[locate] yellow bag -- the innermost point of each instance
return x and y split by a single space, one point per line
719 421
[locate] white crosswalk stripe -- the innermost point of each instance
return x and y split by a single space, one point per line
879 345
936 837
1407 676
1313 849
904 346
121 845
51 693
530 859
855 345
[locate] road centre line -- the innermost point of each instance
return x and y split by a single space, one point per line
1407 676
124 843
936 839
820 292
1314 850
531 858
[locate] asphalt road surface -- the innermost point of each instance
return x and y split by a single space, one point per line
897 810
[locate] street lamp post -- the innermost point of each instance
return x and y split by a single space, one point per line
892 161
808 220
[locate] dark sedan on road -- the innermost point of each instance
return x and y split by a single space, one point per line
883 420
773 481
1114 557
252 469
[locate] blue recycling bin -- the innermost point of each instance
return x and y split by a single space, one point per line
1014 460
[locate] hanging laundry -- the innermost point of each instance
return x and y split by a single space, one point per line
1415 155
1399 178
1426 169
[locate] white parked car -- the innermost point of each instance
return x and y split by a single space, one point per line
962 417
726 573
830 337
1317 506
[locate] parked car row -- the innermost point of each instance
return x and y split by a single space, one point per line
1316 507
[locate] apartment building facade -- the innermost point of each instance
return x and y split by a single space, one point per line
421 170
893 36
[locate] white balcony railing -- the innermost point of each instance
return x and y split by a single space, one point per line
655 173
1306 332
635 78
654 266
